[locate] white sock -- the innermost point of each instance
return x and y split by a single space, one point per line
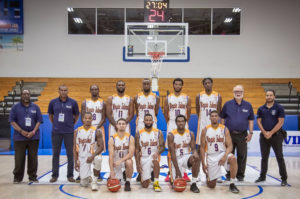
232 180
194 179
128 179
155 179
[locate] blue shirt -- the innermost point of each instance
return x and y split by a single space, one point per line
236 115
269 116
19 113
68 109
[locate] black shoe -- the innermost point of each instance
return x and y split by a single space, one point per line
194 188
77 179
233 188
240 179
71 179
33 180
127 186
138 179
260 179
53 179
124 175
17 181
152 176
283 183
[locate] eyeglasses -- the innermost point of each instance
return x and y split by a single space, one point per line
238 91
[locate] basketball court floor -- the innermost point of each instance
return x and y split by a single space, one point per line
62 189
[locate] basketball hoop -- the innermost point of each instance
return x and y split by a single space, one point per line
156 62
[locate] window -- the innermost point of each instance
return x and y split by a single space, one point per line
110 21
81 21
134 14
226 21
199 20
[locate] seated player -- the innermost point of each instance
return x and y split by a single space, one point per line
121 150
88 145
217 139
181 142
149 144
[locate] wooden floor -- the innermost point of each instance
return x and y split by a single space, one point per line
10 190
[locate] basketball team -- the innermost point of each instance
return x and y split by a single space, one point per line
221 131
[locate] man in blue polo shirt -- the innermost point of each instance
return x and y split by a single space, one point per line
237 114
25 117
270 118
63 113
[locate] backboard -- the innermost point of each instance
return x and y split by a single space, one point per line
169 38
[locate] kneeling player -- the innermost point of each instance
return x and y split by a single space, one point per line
219 146
121 150
149 144
181 142
88 145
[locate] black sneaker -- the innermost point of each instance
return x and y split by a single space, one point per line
240 179
33 180
127 186
283 183
77 179
233 188
152 176
194 188
17 181
260 179
138 179
124 176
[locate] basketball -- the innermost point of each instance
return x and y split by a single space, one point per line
113 185
179 184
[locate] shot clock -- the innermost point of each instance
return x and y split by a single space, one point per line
156 11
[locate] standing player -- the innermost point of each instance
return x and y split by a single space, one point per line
121 150
88 145
149 144
216 138
206 101
119 106
181 142
96 106
146 102
176 104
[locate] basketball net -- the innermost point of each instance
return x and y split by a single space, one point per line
156 62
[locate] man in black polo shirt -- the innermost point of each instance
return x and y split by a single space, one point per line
270 118
237 114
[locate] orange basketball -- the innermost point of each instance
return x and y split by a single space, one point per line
179 184
113 185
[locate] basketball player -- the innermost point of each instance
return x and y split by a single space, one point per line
149 144
121 150
181 143
88 145
206 101
96 106
119 106
217 139
146 102
176 104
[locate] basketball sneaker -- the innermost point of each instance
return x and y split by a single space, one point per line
186 177
233 188
167 179
194 188
127 186
100 179
94 183
156 186
77 179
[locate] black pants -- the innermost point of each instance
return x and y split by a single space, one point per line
265 145
57 139
31 146
239 143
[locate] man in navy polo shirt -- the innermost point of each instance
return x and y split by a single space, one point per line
25 117
237 114
63 113
270 118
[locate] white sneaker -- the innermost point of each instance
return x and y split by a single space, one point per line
94 184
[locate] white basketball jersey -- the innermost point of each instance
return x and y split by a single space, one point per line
121 146
120 106
146 105
85 141
177 105
149 141
96 108
207 104
215 139
182 142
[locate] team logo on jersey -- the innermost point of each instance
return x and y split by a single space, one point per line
245 110
273 112
33 111
67 106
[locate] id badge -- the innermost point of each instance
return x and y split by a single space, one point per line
27 121
61 117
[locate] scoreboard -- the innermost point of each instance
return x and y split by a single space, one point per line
156 11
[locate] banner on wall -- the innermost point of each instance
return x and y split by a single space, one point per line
11 43
291 145
11 17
